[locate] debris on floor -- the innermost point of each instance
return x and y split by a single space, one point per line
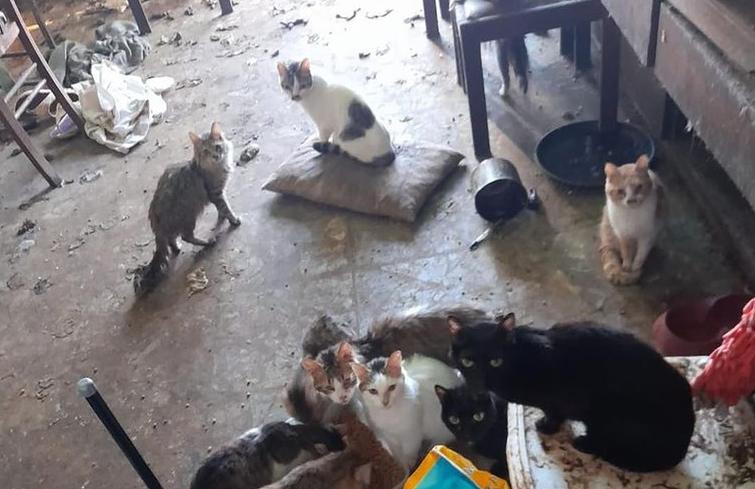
348 17
250 151
25 227
15 281
293 23
41 286
378 15
189 10
196 281
89 176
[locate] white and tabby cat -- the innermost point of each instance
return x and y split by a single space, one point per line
345 123
400 400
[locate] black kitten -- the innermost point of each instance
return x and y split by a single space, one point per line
637 408
264 455
477 418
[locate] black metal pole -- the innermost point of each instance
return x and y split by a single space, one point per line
609 77
88 391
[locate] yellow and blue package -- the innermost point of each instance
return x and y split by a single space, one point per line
442 468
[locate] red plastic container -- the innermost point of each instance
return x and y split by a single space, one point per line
696 327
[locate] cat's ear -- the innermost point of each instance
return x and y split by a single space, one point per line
507 322
314 369
610 169
344 352
643 163
304 67
454 326
441 392
393 365
282 70
363 473
360 371
194 138
215 132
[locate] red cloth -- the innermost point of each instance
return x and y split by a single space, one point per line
730 372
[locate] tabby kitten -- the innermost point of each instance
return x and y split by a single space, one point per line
182 193
630 219
637 408
422 330
264 455
477 418
345 123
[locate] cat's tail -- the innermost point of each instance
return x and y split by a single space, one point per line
147 277
521 60
612 269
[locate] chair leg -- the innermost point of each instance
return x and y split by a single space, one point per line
478 114
24 142
141 19
582 59
445 13
457 53
609 76
41 23
42 67
431 19
226 7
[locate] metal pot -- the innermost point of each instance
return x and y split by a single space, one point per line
499 193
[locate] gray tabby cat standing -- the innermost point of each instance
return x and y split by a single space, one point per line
182 193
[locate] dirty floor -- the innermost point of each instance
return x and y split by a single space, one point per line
186 373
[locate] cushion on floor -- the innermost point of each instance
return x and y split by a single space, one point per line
398 190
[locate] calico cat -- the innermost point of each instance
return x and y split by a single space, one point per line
264 455
182 193
477 418
421 330
401 404
338 113
630 220
364 464
636 407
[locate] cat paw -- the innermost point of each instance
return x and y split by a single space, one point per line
547 425
504 90
583 444
235 221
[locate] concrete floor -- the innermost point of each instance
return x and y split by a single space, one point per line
187 373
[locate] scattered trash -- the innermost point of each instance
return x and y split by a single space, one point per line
189 10
274 53
277 11
210 3
226 27
364 55
250 151
568 116
42 386
191 82
25 227
214 37
383 50
76 245
406 118
349 17
41 286
414 18
162 15
26 245
378 15
293 23
15 282
89 176
160 84
15 152
196 281
65 128
175 40
484 235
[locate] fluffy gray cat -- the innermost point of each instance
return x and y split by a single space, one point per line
182 193
263 455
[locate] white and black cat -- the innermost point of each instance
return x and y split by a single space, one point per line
401 404
345 123
323 387
183 191
477 418
636 407
265 454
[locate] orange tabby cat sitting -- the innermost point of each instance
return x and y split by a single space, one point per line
630 219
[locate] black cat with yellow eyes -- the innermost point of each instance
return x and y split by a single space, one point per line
478 419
